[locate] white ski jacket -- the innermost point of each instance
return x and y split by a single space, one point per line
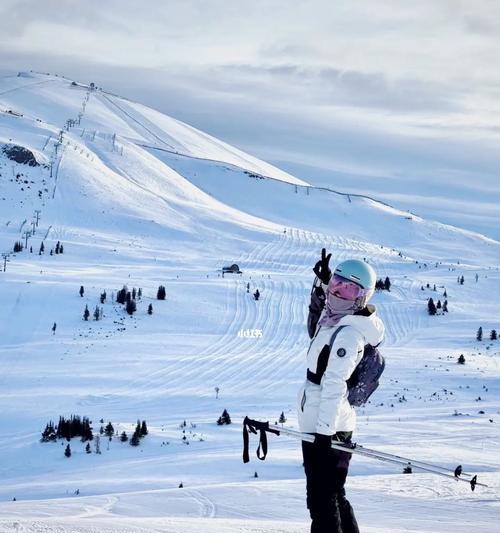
324 408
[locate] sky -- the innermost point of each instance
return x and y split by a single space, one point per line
395 99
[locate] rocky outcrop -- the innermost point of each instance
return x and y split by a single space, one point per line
20 155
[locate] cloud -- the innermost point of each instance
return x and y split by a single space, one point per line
380 90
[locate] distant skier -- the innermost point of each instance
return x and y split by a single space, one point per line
323 407
54 327
256 294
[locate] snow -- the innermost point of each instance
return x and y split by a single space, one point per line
138 198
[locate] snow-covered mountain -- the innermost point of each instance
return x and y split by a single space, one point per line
140 199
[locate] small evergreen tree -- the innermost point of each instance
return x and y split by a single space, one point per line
282 419
224 418
438 306
135 440
445 294
387 284
461 359
493 335
431 307
61 249
96 313
86 313
123 437
445 306
103 297
87 448
150 309
42 249
58 244
161 294
139 294
131 307
120 295
109 430
462 279
67 451
144 429
134 293
82 291
479 335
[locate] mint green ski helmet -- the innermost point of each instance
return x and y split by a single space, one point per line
358 271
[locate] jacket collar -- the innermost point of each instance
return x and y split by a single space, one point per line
367 322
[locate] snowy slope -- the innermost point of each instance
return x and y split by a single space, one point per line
138 198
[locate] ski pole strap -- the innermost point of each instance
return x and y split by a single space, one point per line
252 426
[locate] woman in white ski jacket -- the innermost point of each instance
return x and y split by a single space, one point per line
341 324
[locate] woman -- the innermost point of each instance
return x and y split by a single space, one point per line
341 324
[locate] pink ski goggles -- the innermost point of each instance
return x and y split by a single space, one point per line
345 288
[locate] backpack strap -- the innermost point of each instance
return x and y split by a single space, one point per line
324 356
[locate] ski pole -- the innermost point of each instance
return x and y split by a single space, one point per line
403 460
263 427
389 458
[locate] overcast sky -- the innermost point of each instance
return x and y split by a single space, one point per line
398 99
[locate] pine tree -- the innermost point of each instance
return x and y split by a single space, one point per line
139 294
445 294
121 295
42 249
49 433
461 359
96 313
445 306
134 293
387 284
135 440
86 313
61 249
493 335
431 308
67 451
438 306
82 291
57 247
123 437
150 309
224 418
87 448
282 419
131 307
144 429
479 335
109 430
462 279
161 294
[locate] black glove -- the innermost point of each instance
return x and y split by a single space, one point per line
321 268
322 442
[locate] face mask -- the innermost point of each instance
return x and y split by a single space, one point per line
337 308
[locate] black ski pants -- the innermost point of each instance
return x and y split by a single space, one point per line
326 472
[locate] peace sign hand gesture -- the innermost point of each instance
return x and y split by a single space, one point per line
321 269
